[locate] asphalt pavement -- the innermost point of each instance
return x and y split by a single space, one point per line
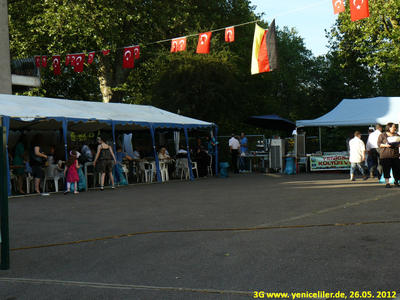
216 238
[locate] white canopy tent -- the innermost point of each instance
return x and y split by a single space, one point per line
88 116
358 112
39 113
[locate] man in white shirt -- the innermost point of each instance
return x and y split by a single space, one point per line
373 150
234 147
357 155
136 154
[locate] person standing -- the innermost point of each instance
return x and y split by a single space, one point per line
197 146
373 150
71 171
357 155
244 149
20 152
389 155
36 159
234 147
210 143
104 157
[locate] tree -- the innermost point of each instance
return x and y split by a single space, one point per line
61 26
376 39
371 45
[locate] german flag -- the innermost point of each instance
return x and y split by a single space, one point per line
265 51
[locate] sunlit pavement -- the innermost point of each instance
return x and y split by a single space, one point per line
215 238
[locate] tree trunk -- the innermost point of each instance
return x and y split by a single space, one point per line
105 78
110 78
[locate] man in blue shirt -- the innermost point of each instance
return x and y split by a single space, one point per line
244 149
121 155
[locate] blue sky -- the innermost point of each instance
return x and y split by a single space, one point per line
310 22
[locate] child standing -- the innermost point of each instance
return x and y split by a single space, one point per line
72 166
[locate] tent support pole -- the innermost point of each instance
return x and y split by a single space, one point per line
152 131
65 129
216 152
188 153
295 147
6 124
4 183
320 140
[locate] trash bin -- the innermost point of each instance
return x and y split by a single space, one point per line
223 169
290 166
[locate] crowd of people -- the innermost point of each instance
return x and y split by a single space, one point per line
380 155
383 150
32 159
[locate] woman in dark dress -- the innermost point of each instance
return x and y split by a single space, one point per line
36 159
103 161
203 160
19 158
389 155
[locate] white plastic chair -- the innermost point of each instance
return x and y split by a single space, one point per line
183 167
303 161
194 167
153 168
52 172
146 174
164 170
124 171
29 177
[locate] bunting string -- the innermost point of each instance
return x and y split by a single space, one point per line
179 44
197 34
238 25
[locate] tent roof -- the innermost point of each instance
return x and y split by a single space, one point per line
273 122
359 112
87 116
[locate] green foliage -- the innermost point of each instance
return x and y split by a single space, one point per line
375 38
216 87
200 86
371 46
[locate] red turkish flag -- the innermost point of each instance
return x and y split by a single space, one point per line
91 57
38 61
56 64
67 59
79 60
128 57
359 9
105 52
203 46
178 44
72 61
229 34
44 61
136 51
338 6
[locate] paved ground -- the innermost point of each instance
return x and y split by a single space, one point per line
220 238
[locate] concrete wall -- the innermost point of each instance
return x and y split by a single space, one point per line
5 60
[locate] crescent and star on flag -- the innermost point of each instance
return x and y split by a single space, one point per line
338 3
358 6
203 41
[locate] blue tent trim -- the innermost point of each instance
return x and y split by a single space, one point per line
19 109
